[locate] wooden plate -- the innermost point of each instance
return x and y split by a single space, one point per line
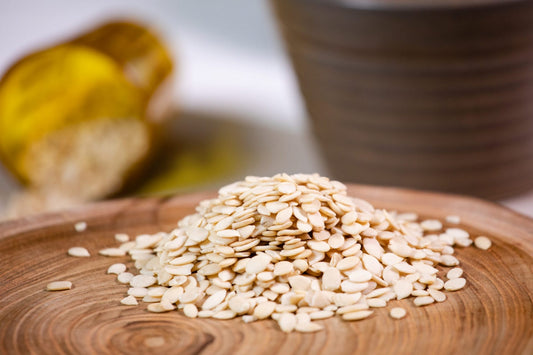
492 314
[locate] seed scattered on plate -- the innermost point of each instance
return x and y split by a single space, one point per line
453 219
79 252
129 301
124 277
80 226
59 286
454 284
454 273
397 312
112 252
122 237
116 269
482 243
293 248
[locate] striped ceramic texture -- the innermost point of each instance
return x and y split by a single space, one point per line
432 96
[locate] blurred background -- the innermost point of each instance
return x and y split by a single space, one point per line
191 95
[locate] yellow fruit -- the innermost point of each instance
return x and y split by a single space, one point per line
78 118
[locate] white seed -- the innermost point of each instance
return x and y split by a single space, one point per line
283 268
357 315
397 312
138 292
319 246
79 252
449 260
331 279
300 283
214 300
482 243
157 308
239 304
454 284
122 237
142 281
321 315
190 310
376 302
287 322
59 286
423 301
264 310
129 301
258 263
454 273
308 327
452 219
116 269
457 233
437 295
431 225
80 226
124 277
112 252
360 276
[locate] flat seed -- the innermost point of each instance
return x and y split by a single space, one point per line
287 322
372 264
397 312
190 310
258 263
431 225
264 310
482 243
79 252
348 263
457 233
284 215
423 301
454 284
142 281
452 219
391 259
437 295
360 276
225 314
138 292
157 308
454 273
357 315
308 327
112 252
318 246
239 304
129 301
124 277
116 269
376 302
214 300
283 268
80 226
122 237
59 286
182 260
321 315
331 279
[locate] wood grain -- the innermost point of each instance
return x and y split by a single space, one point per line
492 315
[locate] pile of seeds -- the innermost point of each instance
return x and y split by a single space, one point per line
294 248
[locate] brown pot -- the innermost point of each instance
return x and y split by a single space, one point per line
427 94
